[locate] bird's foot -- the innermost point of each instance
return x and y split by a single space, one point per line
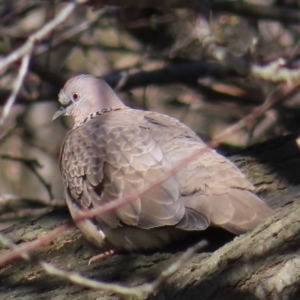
102 255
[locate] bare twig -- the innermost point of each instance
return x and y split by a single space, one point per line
63 37
9 244
70 33
17 86
14 203
140 292
28 247
35 38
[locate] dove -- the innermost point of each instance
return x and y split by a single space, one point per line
114 151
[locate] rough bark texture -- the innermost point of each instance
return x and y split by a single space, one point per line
263 264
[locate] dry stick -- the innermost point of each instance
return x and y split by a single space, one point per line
6 242
12 207
17 86
69 34
35 38
24 53
31 246
140 292
63 37
271 100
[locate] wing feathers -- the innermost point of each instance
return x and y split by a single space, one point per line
116 155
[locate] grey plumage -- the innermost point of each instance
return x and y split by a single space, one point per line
113 151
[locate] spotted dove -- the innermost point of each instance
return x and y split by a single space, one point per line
114 151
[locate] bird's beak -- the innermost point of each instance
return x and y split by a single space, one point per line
61 112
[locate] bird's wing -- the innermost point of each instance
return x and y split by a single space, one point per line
105 159
209 183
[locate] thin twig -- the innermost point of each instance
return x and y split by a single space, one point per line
70 33
63 37
17 86
9 244
28 247
35 38
14 203
140 292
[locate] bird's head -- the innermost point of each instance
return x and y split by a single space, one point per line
83 95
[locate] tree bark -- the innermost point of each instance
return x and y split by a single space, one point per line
262 264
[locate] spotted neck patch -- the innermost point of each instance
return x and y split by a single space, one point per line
99 113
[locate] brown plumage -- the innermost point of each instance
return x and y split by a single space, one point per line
113 151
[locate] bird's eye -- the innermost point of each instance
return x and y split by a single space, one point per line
76 96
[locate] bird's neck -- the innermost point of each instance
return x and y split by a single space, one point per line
99 113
